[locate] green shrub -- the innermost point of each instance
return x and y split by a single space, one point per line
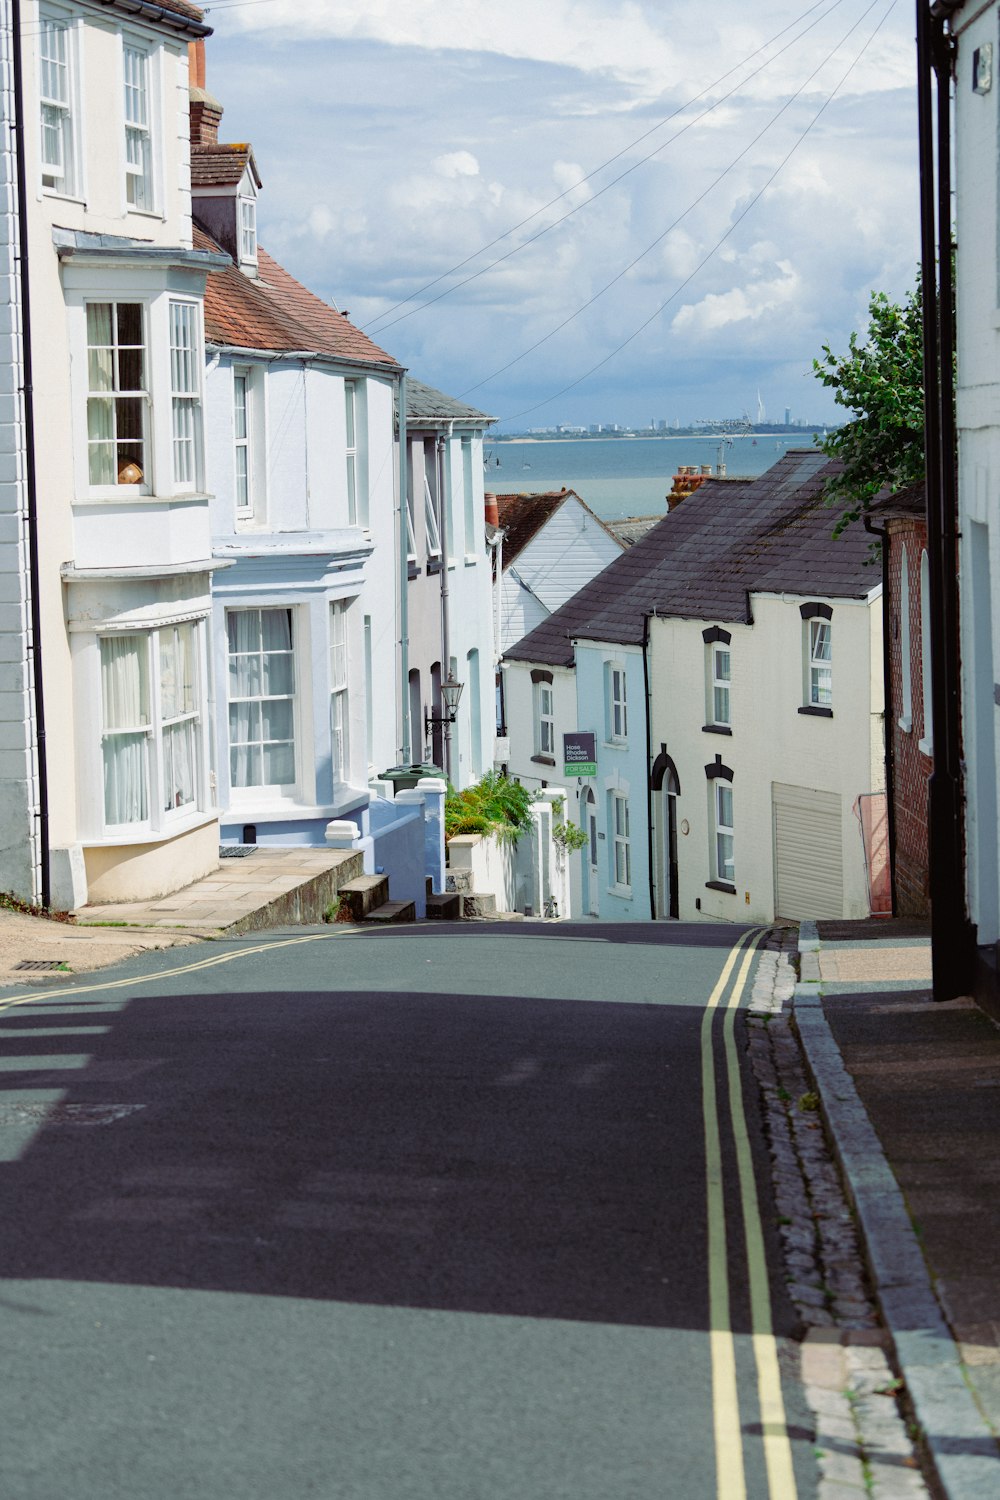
493 806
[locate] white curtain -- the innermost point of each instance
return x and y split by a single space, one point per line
125 698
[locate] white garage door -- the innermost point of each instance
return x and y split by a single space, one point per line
808 853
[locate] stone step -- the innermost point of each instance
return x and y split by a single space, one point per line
443 906
479 906
393 911
359 897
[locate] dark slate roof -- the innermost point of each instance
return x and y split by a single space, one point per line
909 504
425 404
702 561
631 529
277 313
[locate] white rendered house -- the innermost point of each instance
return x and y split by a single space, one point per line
118 801
450 616
301 440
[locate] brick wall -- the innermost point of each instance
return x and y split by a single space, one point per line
911 767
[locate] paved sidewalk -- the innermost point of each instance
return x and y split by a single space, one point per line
911 1094
268 888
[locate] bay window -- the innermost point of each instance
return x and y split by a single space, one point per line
338 690
261 699
117 393
185 384
152 716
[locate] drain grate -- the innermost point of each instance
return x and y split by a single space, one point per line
236 851
41 963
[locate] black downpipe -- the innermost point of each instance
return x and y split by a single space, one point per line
31 489
889 716
649 767
951 938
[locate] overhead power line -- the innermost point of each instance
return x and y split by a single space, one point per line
378 324
538 405
680 217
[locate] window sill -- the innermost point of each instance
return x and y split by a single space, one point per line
129 494
433 565
471 559
144 213
187 823
48 192
543 760
720 885
815 712
615 744
716 729
412 571
905 723
926 747
623 892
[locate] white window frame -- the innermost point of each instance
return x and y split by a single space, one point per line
723 860
617 702
819 662
351 451
139 114
63 178
720 703
339 692
926 743
186 363
257 791
468 495
152 729
112 396
544 716
431 522
905 719
247 229
620 842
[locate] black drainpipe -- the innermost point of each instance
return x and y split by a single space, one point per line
952 942
889 716
649 769
31 491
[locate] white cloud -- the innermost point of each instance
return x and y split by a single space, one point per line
456 164
400 142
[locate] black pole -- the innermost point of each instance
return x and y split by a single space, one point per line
889 716
649 770
31 491
950 935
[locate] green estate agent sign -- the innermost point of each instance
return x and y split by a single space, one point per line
579 755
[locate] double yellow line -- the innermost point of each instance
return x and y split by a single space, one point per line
65 992
728 1433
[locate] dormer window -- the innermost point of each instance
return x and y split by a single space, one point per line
248 231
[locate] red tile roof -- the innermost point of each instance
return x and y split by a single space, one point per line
276 312
222 166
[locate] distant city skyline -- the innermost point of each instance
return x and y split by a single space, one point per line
398 146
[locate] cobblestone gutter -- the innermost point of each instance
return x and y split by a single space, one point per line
863 1440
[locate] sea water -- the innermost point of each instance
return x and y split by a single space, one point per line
625 476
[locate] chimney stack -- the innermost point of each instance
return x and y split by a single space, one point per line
206 112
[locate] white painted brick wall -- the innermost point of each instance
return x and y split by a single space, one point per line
18 795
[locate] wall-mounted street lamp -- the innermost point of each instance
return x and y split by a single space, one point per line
451 692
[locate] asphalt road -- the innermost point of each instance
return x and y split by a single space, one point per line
418 1214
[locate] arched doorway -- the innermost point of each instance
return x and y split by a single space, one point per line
589 854
666 788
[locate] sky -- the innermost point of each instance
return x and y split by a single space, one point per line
767 185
